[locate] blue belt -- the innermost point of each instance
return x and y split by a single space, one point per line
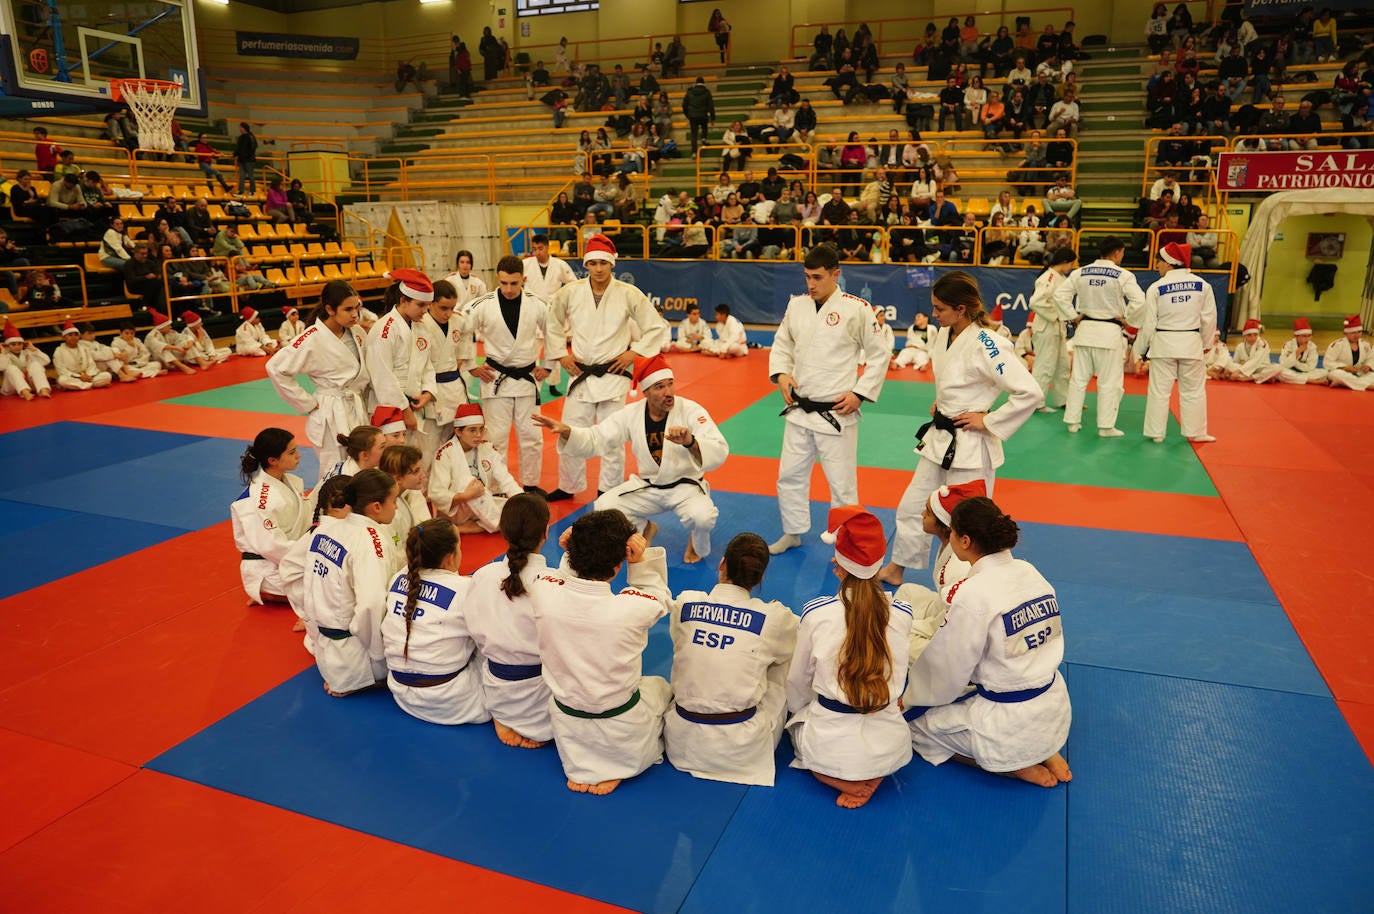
840 707
514 672
1020 695
915 711
445 377
425 680
335 634
727 717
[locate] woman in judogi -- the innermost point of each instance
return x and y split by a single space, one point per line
331 353
346 581
442 327
269 514
469 481
963 439
399 359
435 670
500 618
405 464
848 670
330 508
731 653
987 690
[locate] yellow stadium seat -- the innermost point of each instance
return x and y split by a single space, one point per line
313 274
332 271
276 276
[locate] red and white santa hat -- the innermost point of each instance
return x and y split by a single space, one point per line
469 414
12 334
191 318
1030 318
599 247
650 371
389 419
1175 254
943 499
1352 323
69 327
858 537
290 311
996 315
248 314
1252 326
1130 331
414 284
160 320
1301 327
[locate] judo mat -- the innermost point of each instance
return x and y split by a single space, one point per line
179 744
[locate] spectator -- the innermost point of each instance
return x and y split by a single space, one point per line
1061 199
1053 67
1019 117
648 85
674 59
890 156
810 210
783 126
1157 28
1273 124
141 277
277 207
246 157
584 194
993 116
626 203
407 74
563 218
175 217
836 211
11 257
1018 77
787 210
1188 211
844 77
66 164
116 130
1180 25
805 122
604 198
1064 115
720 27
454 43
620 87
1304 127
865 57
750 191
943 213
876 193
783 91
1167 182
601 152
66 195
98 207
636 157
772 185
1160 210
199 223
821 47
854 243
1324 40
700 110
643 112
1000 53
900 88
854 158
463 63
45 153
840 45
927 48
1171 232
663 115
205 160
1068 48
975 97
162 234
493 58
24 200
1202 242
1233 73
1059 152
736 142
1216 112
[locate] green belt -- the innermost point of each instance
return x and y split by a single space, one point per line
587 715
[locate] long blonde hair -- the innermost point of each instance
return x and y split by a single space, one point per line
865 660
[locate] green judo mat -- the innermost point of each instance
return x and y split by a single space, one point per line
1042 450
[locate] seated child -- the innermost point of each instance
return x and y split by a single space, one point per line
916 353
134 353
165 345
76 367
329 509
270 514
250 338
1251 361
1025 347
1217 359
291 327
104 357
470 481
24 367
730 341
1298 359
403 463
200 346
1350 361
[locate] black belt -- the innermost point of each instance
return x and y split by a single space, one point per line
334 634
514 672
945 424
520 373
1105 320
1178 330
807 405
685 480
831 704
599 370
251 557
726 717
426 680
448 377
602 715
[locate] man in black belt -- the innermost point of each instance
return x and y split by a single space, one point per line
512 323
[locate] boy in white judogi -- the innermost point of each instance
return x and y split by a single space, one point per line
1251 361
399 361
916 351
134 352
291 327
1049 337
250 338
1350 361
1025 343
1298 360
201 348
730 341
693 333
674 442
1179 320
544 276
76 368
166 345
24 367
1218 361
442 326
104 357
469 482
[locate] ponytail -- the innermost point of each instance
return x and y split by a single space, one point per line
426 546
865 660
746 559
525 525
269 444
330 497
359 441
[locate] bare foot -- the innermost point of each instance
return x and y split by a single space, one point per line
577 786
187 369
470 526
1035 774
512 738
26 395
299 626
892 574
1056 766
650 531
45 394
599 790
690 556
853 794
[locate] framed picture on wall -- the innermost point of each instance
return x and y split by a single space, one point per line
1325 245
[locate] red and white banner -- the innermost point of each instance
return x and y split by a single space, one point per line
1269 171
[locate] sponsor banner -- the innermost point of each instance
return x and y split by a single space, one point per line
301 47
757 293
1271 171
1293 7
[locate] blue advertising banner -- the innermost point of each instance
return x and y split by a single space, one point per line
757 293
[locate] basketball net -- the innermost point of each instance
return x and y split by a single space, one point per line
154 104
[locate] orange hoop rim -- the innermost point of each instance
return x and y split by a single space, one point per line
117 86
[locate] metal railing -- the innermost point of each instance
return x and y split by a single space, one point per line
50 269
806 150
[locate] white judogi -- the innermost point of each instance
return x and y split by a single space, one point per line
251 339
445 344
291 572
268 516
72 362
1049 340
1179 319
454 469
1298 367
163 345
597 334
591 641
510 401
916 351
970 373
338 369
1218 358
23 370
928 604
545 281
465 345
731 653
1253 361
692 336
411 509
889 342
841 743
139 358
729 339
1105 296
1340 355
200 345
103 356
398 360
1025 345
505 632
289 330
822 348
350 566
439 644
1003 636
674 485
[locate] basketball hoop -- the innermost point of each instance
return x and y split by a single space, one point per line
154 104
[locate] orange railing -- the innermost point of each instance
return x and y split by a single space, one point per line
51 268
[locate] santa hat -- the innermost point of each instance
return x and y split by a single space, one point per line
69 327
388 419
1179 255
1352 323
996 314
650 371
1301 327
1252 326
248 314
1030 318
468 414
12 334
599 247
1131 331
858 537
191 318
414 284
160 320
290 311
943 499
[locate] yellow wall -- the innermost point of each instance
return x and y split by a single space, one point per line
1285 284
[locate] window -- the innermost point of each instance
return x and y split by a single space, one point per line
545 7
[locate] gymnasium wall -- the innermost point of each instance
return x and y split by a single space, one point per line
1285 290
